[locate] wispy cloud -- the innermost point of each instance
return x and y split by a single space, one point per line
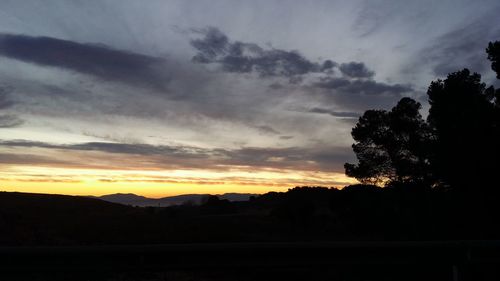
7 120
10 121
341 114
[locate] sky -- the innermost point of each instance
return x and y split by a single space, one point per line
161 98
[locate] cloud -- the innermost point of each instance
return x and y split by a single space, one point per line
147 156
324 159
341 114
96 60
357 95
194 95
41 178
109 147
356 70
276 86
364 87
10 121
268 130
355 89
7 120
5 102
240 57
462 47
30 159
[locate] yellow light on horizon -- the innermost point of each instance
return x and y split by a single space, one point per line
160 183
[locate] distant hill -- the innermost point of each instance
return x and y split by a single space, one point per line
190 199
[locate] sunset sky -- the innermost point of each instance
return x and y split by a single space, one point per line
161 98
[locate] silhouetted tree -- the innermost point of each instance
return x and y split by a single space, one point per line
374 164
493 51
462 117
390 145
458 146
215 205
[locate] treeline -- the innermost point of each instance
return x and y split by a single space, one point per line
357 212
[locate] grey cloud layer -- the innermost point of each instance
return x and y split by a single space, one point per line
356 70
364 87
330 159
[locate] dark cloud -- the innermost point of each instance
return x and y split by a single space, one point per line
328 66
341 114
139 149
10 121
333 83
211 46
97 60
286 137
364 87
215 47
357 95
356 70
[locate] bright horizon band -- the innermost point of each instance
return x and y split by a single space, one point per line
157 184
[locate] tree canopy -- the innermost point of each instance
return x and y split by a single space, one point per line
493 51
390 145
457 146
462 119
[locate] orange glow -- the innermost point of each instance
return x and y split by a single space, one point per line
157 184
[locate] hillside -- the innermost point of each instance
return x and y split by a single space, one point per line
31 219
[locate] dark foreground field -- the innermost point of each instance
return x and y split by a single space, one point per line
360 233
459 260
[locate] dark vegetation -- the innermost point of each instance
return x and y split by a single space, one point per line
358 212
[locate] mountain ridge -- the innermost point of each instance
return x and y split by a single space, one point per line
132 199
